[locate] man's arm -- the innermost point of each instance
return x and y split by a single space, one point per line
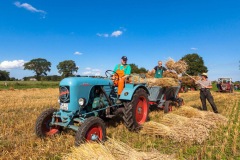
209 85
154 69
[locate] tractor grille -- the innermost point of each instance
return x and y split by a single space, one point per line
64 94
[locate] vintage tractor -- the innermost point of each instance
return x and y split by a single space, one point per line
225 85
85 101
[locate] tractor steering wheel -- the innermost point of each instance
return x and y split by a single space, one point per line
110 73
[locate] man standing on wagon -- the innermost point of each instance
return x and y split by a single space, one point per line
158 70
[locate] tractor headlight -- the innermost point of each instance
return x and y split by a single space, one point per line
81 101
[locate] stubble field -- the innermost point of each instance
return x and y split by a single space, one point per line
186 133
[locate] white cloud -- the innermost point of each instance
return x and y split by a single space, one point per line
103 35
113 34
193 48
12 64
88 68
96 70
91 72
78 53
29 7
116 33
87 73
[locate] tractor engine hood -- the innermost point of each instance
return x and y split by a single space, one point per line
73 88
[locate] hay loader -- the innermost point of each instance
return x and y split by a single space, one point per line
86 101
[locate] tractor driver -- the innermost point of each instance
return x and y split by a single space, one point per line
123 70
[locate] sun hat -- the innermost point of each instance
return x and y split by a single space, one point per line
204 74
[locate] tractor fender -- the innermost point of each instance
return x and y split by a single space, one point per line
129 91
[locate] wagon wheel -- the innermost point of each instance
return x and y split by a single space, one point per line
93 129
168 106
43 125
110 73
136 112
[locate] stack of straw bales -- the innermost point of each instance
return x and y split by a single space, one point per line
163 82
187 125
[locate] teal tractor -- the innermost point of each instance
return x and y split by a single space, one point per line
86 101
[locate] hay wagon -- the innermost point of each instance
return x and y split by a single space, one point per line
165 97
162 92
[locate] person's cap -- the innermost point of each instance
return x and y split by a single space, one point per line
124 58
204 74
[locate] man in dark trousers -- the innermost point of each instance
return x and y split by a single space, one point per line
205 93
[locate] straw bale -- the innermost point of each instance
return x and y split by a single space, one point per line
180 66
163 82
170 74
186 124
189 112
190 131
170 63
137 79
93 150
112 150
155 129
173 119
220 119
150 74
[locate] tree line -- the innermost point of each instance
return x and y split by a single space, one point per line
67 68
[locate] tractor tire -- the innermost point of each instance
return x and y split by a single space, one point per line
167 106
92 126
136 112
42 127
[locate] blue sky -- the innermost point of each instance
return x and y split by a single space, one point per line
97 33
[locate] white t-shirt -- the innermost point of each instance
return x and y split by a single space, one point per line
204 84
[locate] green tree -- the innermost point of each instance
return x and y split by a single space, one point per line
195 64
4 75
67 68
137 70
40 66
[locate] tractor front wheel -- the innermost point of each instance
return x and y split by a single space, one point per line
43 127
136 112
93 129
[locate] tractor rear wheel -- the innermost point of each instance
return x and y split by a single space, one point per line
167 106
43 127
93 129
136 112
